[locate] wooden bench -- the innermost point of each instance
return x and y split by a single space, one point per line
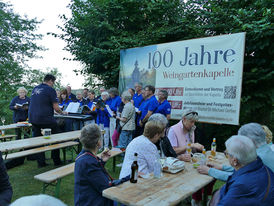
53 177
41 149
5 137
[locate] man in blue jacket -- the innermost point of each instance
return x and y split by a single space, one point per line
252 183
41 114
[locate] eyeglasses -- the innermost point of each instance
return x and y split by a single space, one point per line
227 154
193 113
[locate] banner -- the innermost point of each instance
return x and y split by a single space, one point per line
203 74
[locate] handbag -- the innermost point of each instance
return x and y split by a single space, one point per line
119 127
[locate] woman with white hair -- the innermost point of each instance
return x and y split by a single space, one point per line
90 176
127 121
255 132
103 117
20 106
163 144
252 183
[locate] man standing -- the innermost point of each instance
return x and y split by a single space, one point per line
41 114
164 106
85 96
149 106
137 97
71 96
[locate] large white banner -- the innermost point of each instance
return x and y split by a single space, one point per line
204 75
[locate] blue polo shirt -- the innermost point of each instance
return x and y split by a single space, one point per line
41 105
137 98
103 115
115 103
164 108
150 104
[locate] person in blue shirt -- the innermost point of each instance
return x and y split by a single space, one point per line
103 117
64 99
20 113
41 114
91 105
90 176
252 183
114 106
149 106
255 132
164 106
64 124
71 95
138 97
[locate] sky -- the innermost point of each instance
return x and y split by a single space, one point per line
48 11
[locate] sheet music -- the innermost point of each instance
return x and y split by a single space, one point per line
109 110
73 107
92 107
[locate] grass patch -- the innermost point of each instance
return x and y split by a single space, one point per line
24 184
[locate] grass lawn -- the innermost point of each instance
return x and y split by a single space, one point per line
23 182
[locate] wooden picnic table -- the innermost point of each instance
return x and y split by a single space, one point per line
170 189
21 125
15 126
38 141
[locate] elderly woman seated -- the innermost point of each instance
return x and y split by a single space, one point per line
145 147
91 178
252 183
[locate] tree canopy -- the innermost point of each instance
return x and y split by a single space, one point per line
17 44
98 29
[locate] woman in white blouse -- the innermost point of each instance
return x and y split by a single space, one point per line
145 147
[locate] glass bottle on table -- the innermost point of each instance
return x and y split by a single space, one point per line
203 158
213 147
157 170
188 148
134 169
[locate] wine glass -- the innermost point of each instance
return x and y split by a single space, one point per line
3 120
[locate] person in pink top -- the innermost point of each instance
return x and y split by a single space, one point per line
182 133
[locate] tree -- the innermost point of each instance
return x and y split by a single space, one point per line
17 42
98 29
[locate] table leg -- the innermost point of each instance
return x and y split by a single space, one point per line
57 188
64 155
205 196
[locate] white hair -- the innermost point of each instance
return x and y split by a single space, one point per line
38 200
158 118
255 132
242 148
105 94
22 89
126 96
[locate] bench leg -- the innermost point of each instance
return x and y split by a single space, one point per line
64 154
44 188
113 163
57 188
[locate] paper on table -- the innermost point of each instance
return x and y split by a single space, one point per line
109 110
73 107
